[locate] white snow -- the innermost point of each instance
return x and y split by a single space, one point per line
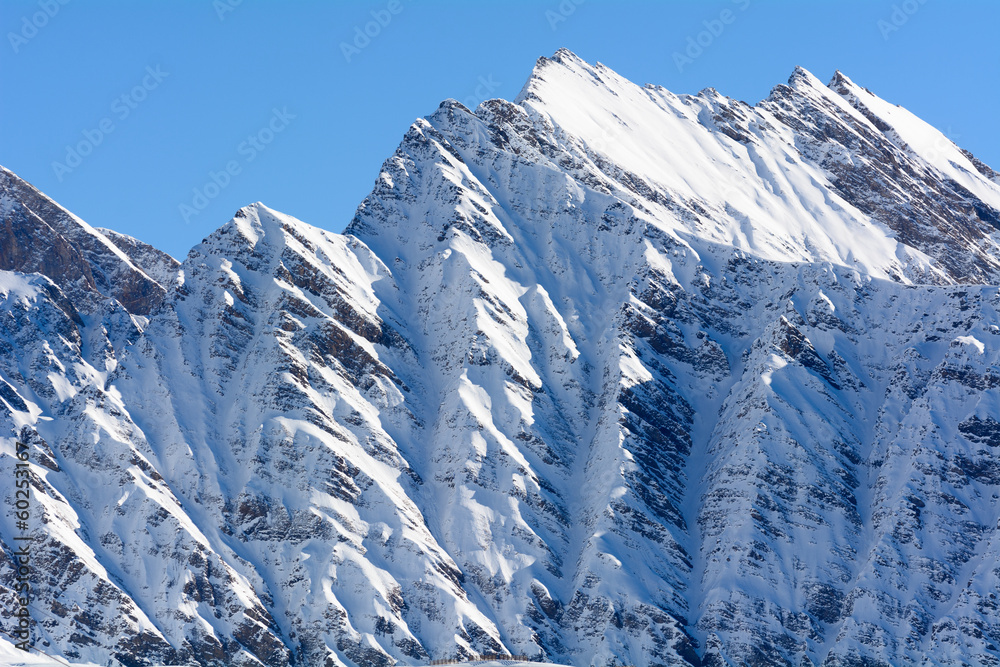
972 340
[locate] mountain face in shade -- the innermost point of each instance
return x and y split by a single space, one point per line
39 236
603 374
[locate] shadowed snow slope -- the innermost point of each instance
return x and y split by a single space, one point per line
604 373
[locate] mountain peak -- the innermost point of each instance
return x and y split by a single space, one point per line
253 223
839 78
564 56
260 236
801 77
841 84
544 67
674 148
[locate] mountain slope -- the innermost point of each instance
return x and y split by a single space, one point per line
601 374
41 236
156 264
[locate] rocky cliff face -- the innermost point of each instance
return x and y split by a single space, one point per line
39 236
601 374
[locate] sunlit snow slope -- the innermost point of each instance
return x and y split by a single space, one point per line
601 374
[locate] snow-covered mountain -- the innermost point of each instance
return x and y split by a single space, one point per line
603 374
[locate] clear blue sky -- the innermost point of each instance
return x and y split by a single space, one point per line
199 79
